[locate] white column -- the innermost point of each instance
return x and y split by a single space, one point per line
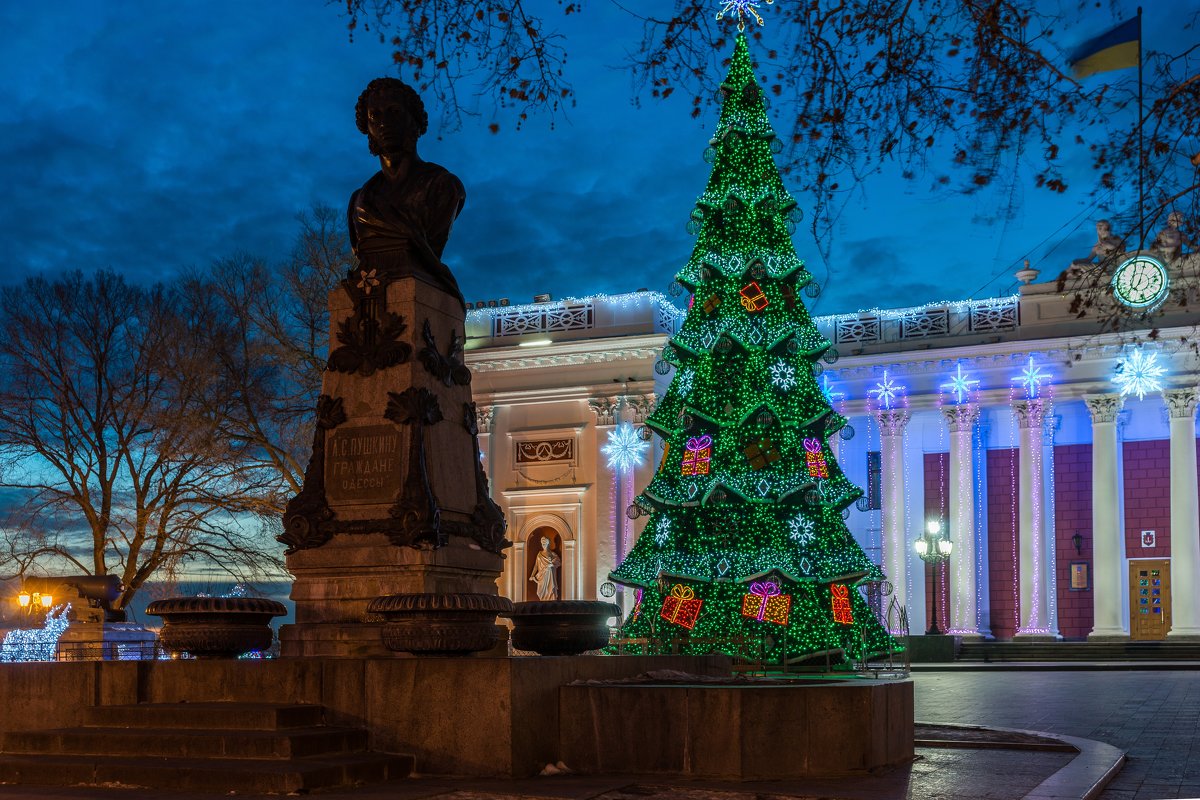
1031 515
1108 543
964 611
1185 530
895 542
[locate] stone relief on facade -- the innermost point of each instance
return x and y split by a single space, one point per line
892 421
1030 413
545 451
605 409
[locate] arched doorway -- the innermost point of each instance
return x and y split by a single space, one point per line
533 546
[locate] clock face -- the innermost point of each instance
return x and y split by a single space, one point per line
1140 282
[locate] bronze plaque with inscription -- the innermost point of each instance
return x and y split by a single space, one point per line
362 465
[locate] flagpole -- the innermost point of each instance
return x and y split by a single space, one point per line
1141 144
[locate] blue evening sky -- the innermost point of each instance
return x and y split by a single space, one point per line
145 137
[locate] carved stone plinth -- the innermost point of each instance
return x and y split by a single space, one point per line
561 627
440 624
215 627
394 500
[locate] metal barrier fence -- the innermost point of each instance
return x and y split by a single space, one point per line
85 651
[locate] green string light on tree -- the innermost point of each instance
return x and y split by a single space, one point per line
747 551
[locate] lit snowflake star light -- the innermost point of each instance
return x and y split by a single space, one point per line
625 448
801 529
1031 378
1139 374
886 391
831 394
662 531
743 9
960 384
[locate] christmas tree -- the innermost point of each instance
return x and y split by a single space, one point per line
746 550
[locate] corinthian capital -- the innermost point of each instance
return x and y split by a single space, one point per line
1104 407
483 417
1181 403
892 421
605 408
1030 413
643 406
961 418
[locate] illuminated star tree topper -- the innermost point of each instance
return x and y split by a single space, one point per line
1139 374
960 384
625 448
743 9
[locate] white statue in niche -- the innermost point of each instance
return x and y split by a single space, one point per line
545 572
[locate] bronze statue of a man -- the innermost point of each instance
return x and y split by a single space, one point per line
401 218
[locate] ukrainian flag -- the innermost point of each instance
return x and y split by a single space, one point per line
1117 49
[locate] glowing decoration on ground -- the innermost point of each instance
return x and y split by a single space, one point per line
839 595
1030 378
662 531
783 375
681 606
743 9
753 298
625 448
36 644
1139 374
767 603
887 391
960 384
762 453
697 458
802 530
817 468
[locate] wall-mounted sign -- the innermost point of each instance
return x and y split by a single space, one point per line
1148 539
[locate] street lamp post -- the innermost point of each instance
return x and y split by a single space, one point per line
934 548
31 602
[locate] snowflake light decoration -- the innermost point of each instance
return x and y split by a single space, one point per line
1031 378
743 9
1139 374
625 448
802 529
683 381
960 384
886 391
783 375
831 394
662 531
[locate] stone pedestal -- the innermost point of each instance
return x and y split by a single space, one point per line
394 500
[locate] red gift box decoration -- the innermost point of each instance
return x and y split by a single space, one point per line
753 298
698 455
766 603
840 596
681 606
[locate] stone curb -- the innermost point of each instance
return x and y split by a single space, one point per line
1083 778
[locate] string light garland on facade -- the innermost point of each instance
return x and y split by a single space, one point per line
1139 374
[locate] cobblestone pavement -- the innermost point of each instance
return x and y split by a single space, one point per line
1153 716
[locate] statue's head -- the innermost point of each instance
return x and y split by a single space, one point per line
1175 219
545 543
1103 228
391 114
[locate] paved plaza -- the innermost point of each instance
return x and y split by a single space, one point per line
1150 714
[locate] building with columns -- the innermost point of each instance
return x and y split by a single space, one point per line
1059 457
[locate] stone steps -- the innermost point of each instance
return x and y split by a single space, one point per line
208 747
1079 651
